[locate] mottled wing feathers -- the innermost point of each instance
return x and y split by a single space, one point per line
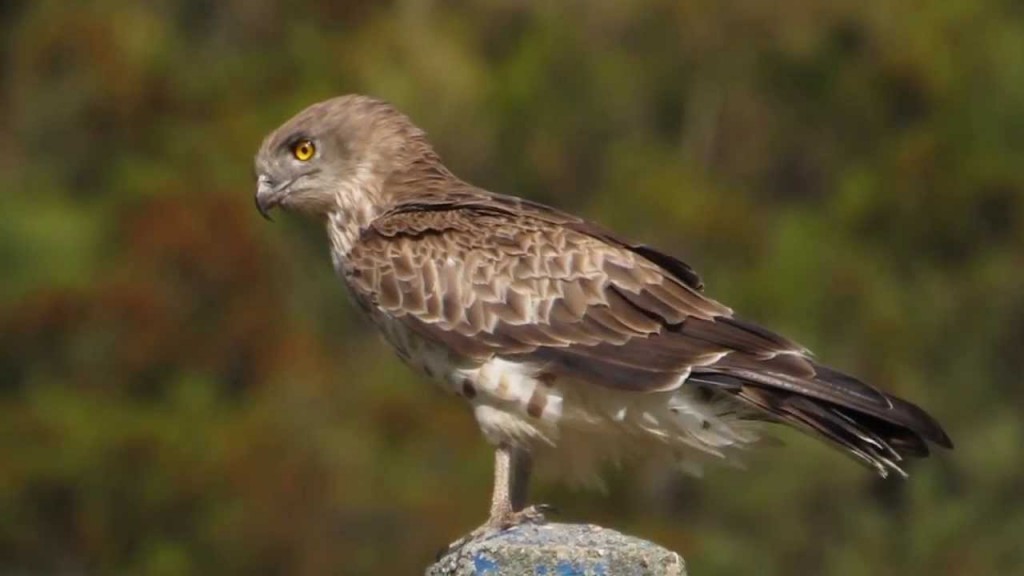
498 276
484 281
438 194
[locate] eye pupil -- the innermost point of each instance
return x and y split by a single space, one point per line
303 150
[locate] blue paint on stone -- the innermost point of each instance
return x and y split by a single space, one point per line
569 569
560 550
484 565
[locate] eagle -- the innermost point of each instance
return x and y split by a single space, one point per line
571 344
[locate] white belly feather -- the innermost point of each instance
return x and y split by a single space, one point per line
578 423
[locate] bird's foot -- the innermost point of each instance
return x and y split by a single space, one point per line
497 524
530 515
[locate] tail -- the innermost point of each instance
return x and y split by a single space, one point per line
874 427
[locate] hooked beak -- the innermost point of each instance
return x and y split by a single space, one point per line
269 195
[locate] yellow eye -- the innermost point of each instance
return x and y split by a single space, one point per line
303 150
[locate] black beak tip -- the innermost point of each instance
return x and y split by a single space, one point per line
263 210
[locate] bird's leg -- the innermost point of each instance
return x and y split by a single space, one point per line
512 467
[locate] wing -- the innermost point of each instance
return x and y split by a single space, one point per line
486 279
497 276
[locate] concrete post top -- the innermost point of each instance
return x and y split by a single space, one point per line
560 550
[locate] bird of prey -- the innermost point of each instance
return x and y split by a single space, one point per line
568 341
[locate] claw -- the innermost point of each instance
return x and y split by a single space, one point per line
530 515
545 508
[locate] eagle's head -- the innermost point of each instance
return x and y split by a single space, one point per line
335 157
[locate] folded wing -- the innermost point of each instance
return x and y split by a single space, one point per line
489 276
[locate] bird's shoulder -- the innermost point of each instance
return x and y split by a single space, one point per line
486 275
504 228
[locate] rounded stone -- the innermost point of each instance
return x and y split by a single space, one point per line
559 550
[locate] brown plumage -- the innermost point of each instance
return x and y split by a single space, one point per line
555 329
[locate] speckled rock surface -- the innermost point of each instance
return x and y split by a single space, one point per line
560 550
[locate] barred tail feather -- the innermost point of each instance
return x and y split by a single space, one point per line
881 435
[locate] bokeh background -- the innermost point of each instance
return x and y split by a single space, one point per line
184 388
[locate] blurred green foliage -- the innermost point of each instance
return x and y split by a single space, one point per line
184 389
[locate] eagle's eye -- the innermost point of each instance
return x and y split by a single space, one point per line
303 150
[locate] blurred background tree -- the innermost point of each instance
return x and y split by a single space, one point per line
184 389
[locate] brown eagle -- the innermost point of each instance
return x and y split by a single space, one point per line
566 340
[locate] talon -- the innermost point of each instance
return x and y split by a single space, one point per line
529 515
